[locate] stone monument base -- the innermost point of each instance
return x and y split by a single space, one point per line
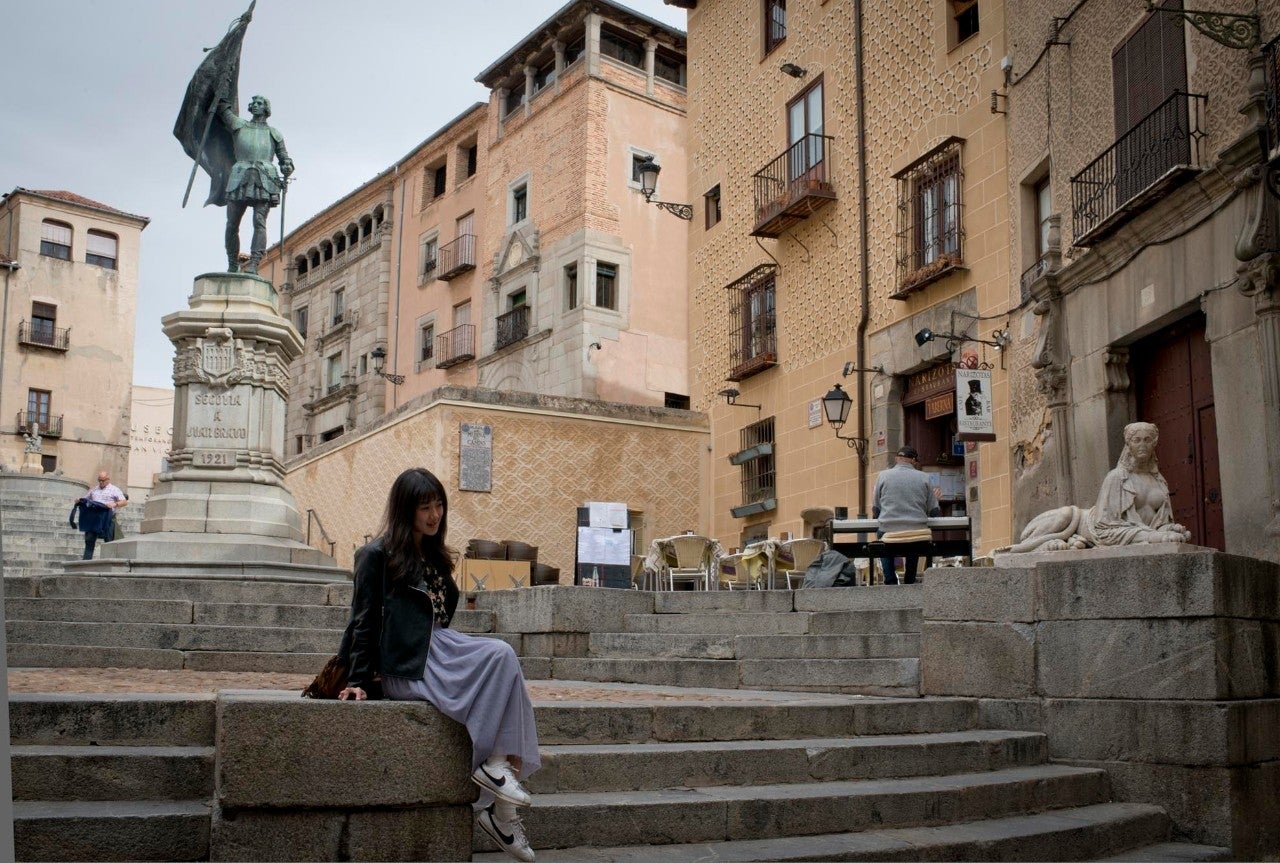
221 506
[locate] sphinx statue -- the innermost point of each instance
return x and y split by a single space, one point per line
1133 506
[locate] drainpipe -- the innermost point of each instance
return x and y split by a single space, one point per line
395 330
865 306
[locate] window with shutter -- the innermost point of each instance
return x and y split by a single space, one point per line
101 249
1149 67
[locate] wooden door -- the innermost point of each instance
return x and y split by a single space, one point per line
1175 391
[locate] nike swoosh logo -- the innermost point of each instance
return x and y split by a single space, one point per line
506 840
499 781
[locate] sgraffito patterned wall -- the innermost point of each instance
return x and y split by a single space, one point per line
918 93
545 464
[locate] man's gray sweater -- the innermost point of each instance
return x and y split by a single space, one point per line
903 499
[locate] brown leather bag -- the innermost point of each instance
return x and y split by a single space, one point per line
332 679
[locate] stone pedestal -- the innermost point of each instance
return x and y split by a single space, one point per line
223 498
31 464
1163 668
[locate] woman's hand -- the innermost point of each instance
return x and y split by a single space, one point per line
352 693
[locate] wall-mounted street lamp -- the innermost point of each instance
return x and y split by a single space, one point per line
649 171
793 70
836 405
1225 28
379 362
731 396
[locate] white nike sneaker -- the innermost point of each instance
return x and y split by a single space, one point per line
501 780
508 834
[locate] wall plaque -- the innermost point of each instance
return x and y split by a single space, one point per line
475 457
218 418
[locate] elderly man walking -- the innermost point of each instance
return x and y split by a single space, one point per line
103 495
903 500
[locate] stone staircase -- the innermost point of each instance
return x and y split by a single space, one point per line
648 775
33 516
862 641
112 778
819 778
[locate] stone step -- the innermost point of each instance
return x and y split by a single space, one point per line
685 646
89 656
172 636
853 676
767 623
129 830
876 645
53 773
829 599
1171 852
688 720
191 589
681 815
111 720
98 610
651 766
1075 833
258 614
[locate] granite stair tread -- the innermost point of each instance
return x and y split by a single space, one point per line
1172 852
1070 833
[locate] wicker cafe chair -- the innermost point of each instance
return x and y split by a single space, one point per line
741 571
692 553
794 557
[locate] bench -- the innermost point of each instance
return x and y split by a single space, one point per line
856 538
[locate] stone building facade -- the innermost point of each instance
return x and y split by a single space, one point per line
150 439
790 287
70 272
512 250
1151 291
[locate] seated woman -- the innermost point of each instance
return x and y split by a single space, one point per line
405 579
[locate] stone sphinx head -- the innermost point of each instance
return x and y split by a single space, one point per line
1139 452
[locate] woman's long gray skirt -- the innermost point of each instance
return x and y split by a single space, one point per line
478 682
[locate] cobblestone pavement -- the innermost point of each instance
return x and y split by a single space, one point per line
144 680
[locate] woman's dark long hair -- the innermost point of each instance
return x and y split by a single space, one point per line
413 487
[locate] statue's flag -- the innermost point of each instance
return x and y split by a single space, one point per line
216 80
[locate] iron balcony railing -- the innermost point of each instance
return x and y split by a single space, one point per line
793 186
511 327
1163 149
50 426
45 336
1032 274
456 346
457 257
1271 70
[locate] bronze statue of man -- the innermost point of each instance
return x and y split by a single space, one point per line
237 154
253 181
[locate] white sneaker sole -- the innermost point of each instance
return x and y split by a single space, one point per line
516 796
491 830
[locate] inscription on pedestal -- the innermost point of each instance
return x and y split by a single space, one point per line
218 419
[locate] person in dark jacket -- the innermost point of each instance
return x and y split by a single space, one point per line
403 602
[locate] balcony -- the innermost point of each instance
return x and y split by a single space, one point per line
1163 151
457 257
511 327
456 346
793 186
50 426
44 336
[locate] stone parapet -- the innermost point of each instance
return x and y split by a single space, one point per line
327 780
1163 667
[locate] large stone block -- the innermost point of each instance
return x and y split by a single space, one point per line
563 608
1159 658
438 833
1192 733
285 751
989 660
277 836
1236 807
1005 595
1020 714
686 601
555 644
1194 584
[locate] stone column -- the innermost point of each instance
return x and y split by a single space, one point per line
558 48
530 72
1052 362
593 44
500 94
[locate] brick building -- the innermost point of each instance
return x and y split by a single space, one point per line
829 239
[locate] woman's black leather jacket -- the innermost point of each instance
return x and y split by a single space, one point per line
391 622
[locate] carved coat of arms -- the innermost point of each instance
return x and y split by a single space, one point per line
221 358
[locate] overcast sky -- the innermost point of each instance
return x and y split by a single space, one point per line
95 87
